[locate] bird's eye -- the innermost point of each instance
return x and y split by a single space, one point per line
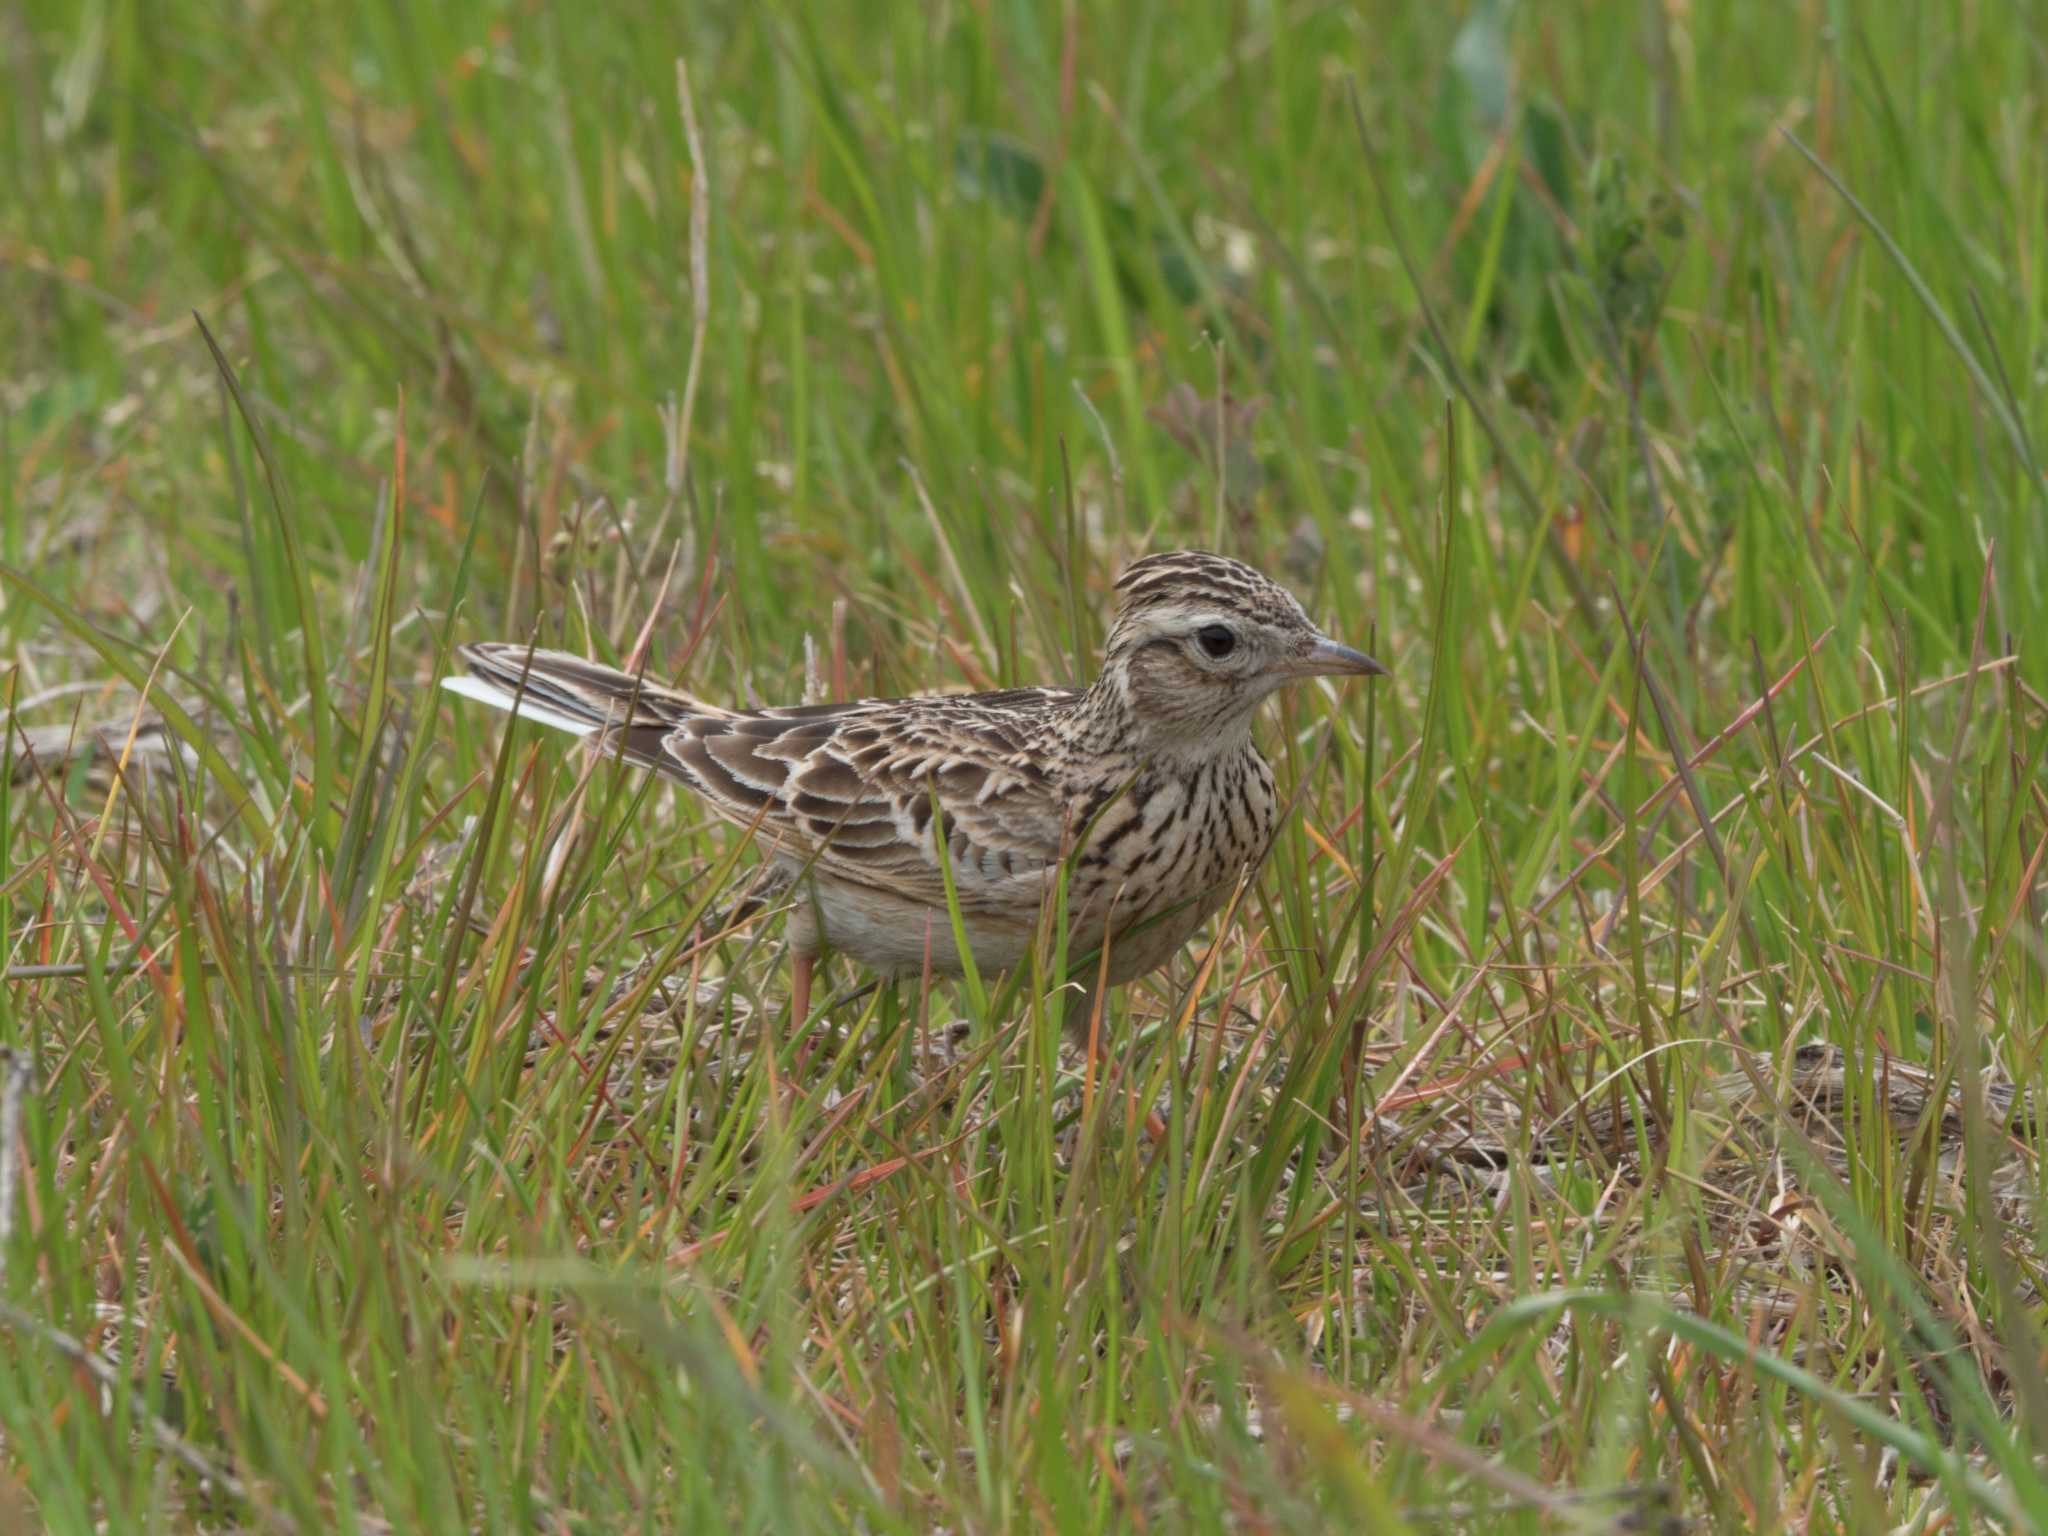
1217 640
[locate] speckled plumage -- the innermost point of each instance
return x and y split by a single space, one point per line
1146 784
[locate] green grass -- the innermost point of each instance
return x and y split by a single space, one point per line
1614 1103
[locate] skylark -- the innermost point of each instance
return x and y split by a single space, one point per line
1146 788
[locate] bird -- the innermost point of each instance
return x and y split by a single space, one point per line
1145 790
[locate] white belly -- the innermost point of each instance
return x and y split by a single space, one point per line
896 937
899 937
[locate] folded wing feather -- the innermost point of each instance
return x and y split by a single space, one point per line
851 786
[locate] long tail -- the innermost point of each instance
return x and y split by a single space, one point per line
568 693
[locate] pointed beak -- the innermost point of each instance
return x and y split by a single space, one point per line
1326 658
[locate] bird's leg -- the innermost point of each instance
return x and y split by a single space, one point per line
1081 1018
800 966
1085 1027
1085 1009
799 992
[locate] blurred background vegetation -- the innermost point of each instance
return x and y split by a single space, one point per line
1611 1110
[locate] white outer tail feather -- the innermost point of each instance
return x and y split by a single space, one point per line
526 708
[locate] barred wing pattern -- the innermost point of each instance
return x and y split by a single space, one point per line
851 786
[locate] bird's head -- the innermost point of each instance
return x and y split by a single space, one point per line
1199 640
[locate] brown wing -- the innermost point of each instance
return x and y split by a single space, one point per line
855 787
851 785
